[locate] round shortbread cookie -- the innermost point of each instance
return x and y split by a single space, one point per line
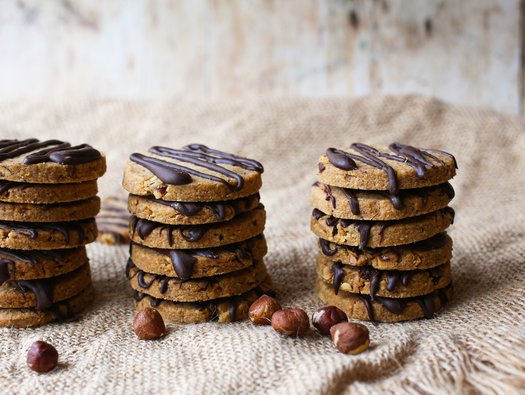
189 213
30 265
176 290
190 174
61 311
23 192
157 235
385 283
424 254
41 294
186 264
59 212
361 307
375 234
46 236
383 168
222 310
379 205
49 162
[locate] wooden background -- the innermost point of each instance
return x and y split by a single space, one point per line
466 51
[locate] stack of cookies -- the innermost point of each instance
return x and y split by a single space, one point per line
196 230
47 207
380 215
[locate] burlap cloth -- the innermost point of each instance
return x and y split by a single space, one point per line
477 344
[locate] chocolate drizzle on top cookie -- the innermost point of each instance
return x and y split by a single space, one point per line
48 151
199 156
418 158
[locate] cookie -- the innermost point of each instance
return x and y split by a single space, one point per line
49 162
46 236
424 254
113 221
30 265
379 205
157 235
23 192
43 293
189 213
194 173
60 212
222 310
186 264
375 234
176 290
385 283
381 309
61 311
381 168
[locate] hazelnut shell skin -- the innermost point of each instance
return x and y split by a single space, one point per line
262 310
42 357
326 317
149 325
291 322
350 337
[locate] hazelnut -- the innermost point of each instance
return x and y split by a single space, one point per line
262 309
42 357
326 317
291 322
149 325
350 338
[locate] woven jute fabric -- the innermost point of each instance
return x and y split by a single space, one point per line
477 345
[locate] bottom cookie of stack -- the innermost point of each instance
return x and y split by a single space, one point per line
222 298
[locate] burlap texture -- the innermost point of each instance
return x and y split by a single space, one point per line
477 344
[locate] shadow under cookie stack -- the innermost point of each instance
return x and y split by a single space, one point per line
47 207
380 214
196 230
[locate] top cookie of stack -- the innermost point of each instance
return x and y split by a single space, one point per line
47 207
380 213
196 230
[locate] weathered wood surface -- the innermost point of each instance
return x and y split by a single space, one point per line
462 51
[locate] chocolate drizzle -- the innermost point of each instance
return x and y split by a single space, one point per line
199 156
418 158
325 247
352 200
338 275
183 263
43 290
53 151
7 185
4 269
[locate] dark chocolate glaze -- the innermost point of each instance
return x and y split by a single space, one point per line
43 290
325 247
352 200
321 167
338 275
183 263
200 156
4 269
418 158
53 151
317 214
